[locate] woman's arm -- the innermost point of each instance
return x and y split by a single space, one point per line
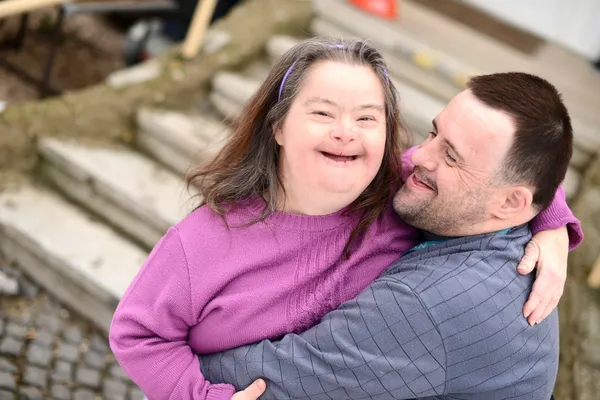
149 331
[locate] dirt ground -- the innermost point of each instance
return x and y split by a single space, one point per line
90 50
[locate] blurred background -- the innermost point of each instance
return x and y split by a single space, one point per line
101 114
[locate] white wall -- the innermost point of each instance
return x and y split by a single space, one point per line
574 24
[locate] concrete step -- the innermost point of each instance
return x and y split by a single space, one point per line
178 140
572 74
135 194
235 86
80 261
387 35
258 70
571 183
581 158
278 45
404 69
227 107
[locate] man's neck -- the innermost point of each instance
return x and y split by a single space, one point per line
488 226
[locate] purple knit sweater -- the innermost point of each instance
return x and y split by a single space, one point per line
205 288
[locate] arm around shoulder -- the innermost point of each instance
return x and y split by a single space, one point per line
382 342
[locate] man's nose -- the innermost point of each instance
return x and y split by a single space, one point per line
424 156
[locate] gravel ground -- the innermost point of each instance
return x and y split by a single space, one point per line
48 352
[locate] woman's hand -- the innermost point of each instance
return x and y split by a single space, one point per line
252 392
547 251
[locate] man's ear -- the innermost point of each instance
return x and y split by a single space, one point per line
516 201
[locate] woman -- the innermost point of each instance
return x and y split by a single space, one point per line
296 219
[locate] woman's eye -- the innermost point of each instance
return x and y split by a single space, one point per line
322 113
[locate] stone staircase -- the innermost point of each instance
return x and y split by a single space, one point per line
85 230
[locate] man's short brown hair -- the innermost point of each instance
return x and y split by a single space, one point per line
543 141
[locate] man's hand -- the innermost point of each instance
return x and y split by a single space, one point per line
548 250
252 392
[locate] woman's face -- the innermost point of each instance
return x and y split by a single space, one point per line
333 138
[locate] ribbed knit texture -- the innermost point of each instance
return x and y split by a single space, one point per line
205 288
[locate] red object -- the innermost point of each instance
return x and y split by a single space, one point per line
387 9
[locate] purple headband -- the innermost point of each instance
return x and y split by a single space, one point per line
289 71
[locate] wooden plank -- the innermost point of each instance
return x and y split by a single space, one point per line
197 29
15 7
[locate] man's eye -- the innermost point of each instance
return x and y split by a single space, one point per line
450 158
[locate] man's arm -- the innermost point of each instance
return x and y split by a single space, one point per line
383 343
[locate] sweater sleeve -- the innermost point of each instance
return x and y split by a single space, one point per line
557 215
149 330
383 344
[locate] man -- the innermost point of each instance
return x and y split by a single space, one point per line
445 321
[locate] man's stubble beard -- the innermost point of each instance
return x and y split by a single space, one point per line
446 217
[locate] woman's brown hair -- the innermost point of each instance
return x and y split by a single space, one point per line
248 163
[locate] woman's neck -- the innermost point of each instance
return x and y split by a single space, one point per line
310 203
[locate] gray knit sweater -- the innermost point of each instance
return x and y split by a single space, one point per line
443 322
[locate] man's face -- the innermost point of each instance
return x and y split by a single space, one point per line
452 187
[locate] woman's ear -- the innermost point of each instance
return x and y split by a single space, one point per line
278 134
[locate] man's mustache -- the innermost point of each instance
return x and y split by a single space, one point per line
424 178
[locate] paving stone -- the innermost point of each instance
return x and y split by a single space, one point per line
43 339
63 372
60 392
23 319
16 331
99 344
30 393
68 352
95 360
73 335
39 356
7 366
6 395
136 394
114 390
29 289
9 286
118 372
87 377
35 376
83 394
7 381
49 322
51 311
11 346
